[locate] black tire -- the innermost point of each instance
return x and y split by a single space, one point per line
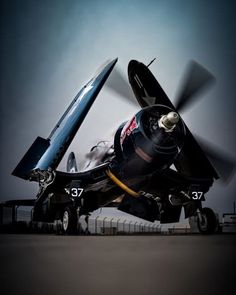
209 223
69 220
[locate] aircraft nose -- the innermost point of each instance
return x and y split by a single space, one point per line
170 120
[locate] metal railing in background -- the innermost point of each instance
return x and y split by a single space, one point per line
21 216
104 225
13 214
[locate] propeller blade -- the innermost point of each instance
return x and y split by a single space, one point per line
224 164
119 84
197 79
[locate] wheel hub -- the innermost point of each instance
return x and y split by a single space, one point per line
65 220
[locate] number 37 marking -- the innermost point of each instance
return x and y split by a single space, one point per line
76 192
197 195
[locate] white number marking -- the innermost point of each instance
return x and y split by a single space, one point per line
197 195
76 192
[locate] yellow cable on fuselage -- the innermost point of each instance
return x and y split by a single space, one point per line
121 184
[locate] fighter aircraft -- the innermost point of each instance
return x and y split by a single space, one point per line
154 167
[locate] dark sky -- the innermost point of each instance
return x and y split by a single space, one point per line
50 48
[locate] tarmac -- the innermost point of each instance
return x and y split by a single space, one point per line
140 265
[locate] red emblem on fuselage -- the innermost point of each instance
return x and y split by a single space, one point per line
128 128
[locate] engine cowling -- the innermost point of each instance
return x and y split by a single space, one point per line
150 141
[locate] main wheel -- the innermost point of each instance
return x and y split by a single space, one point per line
69 220
208 224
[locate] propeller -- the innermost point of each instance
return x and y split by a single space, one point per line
196 80
224 163
118 84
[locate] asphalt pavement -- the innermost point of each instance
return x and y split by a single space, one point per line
84 265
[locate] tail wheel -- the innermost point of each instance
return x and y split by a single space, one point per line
69 220
208 223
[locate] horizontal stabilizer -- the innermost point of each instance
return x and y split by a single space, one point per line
31 158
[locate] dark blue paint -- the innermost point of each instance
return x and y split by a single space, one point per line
65 130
